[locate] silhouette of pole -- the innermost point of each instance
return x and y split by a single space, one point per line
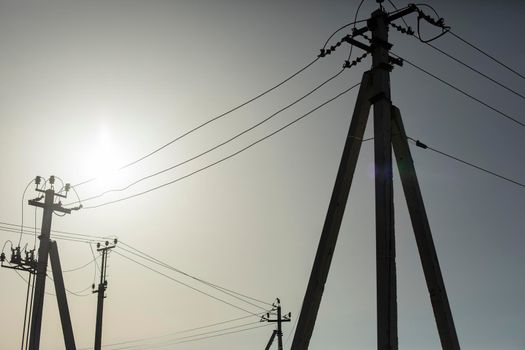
43 252
100 292
279 320
384 192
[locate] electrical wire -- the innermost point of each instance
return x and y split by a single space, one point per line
218 145
81 267
58 237
487 55
209 121
22 209
425 146
176 333
200 337
477 71
503 114
355 18
227 157
160 343
93 237
229 292
185 284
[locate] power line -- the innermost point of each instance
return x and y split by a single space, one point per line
162 343
63 232
175 342
224 290
227 157
487 55
185 284
92 261
218 145
477 71
175 333
209 121
424 146
503 114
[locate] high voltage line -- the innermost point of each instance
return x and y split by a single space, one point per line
216 146
188 330
239 296
233 109
229 292
227 157
185 284
209 121
498 61
463 92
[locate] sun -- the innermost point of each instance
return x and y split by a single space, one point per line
102 161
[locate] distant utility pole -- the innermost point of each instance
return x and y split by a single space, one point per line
279 320
49 248
388 133
102 286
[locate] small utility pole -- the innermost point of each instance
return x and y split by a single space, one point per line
279 320
102 286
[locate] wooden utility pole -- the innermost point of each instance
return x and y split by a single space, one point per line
388 132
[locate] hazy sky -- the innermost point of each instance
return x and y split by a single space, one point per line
90 85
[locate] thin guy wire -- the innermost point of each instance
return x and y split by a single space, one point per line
227 157
209 121
218 145
503 114
185 284
470 164
487 55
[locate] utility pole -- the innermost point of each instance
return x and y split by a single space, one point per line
388 132
102 286
279 320
49 207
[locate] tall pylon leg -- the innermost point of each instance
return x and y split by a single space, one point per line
334 216
425 243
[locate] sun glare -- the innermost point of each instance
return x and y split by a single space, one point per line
102 160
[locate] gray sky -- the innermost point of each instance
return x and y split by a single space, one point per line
91 84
